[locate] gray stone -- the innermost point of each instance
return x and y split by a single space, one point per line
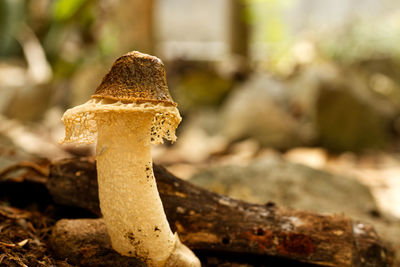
345 113
350 117
291 185
258 109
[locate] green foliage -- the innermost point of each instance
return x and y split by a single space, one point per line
269 14
65 28
363 40
64 9
12 14
271 28
200 87
108 40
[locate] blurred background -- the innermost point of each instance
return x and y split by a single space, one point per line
291 101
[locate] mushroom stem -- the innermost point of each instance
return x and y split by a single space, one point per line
126 180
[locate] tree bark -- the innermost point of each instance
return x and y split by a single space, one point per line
221 229
239 33
134 19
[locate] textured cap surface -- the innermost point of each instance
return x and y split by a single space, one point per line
136 77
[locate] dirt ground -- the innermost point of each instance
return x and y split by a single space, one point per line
27 215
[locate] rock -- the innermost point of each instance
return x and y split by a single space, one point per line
198 139
22 97
348 117
346 111
304 86
11 153
196 85
383 75
290 185
257 109
25 84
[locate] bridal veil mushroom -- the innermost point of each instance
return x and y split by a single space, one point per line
131 109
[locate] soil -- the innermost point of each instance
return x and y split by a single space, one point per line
23 237
27 215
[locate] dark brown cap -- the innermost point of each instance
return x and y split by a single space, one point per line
136 77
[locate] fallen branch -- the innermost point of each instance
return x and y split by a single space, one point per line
217 226
24 165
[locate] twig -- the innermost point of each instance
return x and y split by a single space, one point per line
25 164
13 213
7 245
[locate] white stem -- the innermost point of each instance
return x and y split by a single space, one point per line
129 199
128 194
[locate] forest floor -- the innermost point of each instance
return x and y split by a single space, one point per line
27 211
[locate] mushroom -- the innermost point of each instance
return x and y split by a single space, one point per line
131 109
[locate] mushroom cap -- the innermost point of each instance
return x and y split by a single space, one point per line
135 77
135 83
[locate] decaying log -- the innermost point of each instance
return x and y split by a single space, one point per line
220 226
